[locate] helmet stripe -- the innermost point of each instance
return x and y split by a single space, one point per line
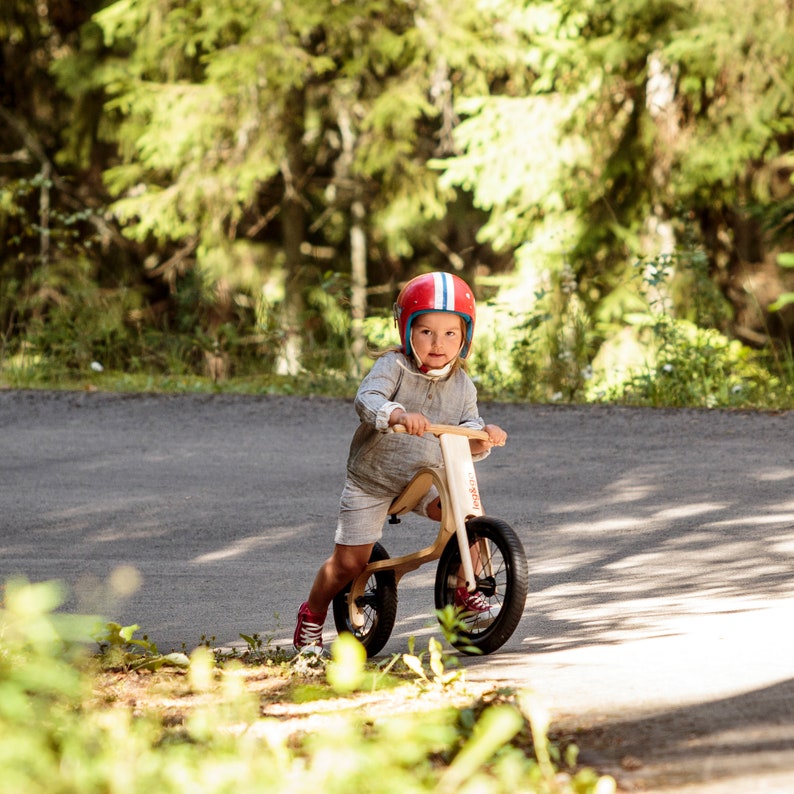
444 289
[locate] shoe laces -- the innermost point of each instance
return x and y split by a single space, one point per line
471 602
310 633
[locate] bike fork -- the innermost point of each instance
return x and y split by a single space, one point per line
464 498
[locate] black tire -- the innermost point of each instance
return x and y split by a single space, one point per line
507 589
379 605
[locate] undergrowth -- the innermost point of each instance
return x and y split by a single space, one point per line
660 350
121 716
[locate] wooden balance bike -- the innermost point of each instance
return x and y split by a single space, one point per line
474 551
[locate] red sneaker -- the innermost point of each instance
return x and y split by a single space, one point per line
309 631
477 611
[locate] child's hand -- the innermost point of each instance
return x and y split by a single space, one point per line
414 423
496 438
496 435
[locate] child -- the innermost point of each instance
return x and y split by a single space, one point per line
418 384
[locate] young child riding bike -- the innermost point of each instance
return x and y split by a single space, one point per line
419 383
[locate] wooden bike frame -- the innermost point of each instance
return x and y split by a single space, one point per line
456 483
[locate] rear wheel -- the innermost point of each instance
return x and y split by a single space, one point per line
378 602
504 591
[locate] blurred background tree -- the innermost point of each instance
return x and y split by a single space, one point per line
225 187
654 131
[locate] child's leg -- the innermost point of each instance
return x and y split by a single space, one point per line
430 505
344 564
361 518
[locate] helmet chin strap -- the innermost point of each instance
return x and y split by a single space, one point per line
433 373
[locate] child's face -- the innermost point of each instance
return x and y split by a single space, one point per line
436 338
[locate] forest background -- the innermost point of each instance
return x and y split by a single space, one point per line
195 189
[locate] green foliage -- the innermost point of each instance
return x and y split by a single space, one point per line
691 366
787 298
57 736
679 362
120 650
233 126
40 683
346 671
554 353
178 179
640 114
653 343
453 627
437 665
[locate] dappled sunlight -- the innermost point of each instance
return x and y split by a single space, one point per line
569 561
645 653
755 520
602 577
776 474
637 561
152 529
99 512
638 619
252 543
783 544
623 491
690 510
722 740
597 527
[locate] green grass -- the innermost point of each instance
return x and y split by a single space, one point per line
329 385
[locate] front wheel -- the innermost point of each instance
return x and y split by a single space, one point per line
379 603
504 591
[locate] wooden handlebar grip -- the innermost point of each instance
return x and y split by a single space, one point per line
453 430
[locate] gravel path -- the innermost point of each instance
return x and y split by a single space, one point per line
660 542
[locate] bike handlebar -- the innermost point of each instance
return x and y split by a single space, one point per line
453 430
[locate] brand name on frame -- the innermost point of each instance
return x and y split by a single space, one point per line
474 491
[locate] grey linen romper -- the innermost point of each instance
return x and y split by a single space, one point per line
381 463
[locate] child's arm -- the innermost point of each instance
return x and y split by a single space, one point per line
496 438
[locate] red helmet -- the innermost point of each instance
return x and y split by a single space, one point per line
434 292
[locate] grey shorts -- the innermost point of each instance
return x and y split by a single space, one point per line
362 515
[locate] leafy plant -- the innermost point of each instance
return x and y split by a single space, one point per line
437 673
682 361
787 298
120 650
453 627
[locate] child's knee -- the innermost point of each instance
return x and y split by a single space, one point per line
433 509
430 505
351 560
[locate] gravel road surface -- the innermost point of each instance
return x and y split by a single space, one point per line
660 621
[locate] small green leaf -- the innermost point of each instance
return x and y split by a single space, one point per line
414 664
784 300
176 660
786 259
345 672
127 631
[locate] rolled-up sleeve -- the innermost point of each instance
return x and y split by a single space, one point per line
373 402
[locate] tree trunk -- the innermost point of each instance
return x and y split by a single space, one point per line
659 236
358 242
358 298
293 230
